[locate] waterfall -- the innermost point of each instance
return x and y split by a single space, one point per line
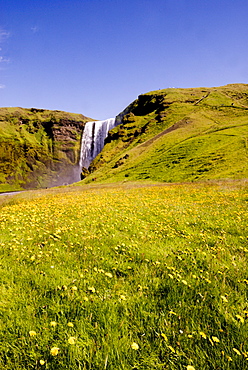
93 140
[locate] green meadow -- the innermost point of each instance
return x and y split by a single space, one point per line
126 276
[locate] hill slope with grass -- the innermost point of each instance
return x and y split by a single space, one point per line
38 148
178 134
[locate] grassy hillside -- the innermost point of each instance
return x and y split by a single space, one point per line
38 148
179 135
125 277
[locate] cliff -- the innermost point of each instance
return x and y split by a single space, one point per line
39 148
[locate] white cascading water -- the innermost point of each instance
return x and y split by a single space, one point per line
93 140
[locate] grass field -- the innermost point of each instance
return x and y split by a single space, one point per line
125 276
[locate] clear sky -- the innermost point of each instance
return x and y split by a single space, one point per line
96 56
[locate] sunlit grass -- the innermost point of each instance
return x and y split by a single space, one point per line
125 277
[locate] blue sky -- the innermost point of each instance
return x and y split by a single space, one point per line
96 56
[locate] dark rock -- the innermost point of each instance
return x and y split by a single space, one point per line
84 173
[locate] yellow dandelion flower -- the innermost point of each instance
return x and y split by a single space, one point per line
189 367
164 336
224 298
240 318
54 351
42 362
190 336
203 335
72 340
92 289
237 351
172 349
53 324
70 324
215 339
32 333
108 274
74 288
135 346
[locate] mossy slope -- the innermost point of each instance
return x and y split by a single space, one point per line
38 148
178 135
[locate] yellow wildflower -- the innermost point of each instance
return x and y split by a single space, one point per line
203 335
123 297
215 339
237 351
32 333
108 274
134 346
92 289
164 336
53 324
70 324
224 299
189 367
172 349
54 351
42 362
72 340
240 318
74 288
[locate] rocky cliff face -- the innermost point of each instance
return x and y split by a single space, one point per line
39 148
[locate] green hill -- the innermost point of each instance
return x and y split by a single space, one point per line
178 135
38 148
169 135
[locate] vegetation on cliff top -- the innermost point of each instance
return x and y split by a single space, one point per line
178 135
38 148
